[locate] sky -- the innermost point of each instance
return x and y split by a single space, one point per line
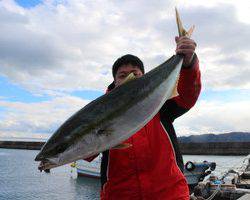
56 56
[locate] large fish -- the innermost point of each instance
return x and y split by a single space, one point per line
112 118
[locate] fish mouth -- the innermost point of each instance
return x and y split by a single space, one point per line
39 157
46 165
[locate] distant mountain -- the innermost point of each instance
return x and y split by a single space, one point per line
224 137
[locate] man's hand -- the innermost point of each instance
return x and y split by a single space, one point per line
185 46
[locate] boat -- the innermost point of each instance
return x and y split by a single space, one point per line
234 184
193 171
89 169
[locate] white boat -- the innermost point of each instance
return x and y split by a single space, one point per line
89 169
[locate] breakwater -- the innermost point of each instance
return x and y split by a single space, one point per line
216 148
21 145
213 148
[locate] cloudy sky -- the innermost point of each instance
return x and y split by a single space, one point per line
56 56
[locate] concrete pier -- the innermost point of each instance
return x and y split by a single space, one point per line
21 145
216 148
213 148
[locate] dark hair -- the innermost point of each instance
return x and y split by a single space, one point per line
125 60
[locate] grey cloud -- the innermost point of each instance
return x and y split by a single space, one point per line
220 29
28 50
240 78
42 117
8 18
219 26
238 59
215 116
216 26
63 47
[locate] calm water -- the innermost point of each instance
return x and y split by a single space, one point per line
20 179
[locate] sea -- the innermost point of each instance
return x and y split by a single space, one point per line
20 179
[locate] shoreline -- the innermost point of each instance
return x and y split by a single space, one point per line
216 148
212 148
29 145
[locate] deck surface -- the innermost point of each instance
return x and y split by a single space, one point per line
245 181
245 197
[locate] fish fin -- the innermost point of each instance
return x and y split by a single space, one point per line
175 89
190 31
181 30
130 77
122 146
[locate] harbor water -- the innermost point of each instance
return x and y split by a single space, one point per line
20 179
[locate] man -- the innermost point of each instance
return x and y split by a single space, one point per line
151 168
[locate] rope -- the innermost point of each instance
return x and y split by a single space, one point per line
214 193
211 196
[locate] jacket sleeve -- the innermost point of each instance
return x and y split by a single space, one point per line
189 87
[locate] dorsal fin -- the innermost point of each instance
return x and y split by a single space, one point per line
130 77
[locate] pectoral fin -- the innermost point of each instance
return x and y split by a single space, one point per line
122 146
190 31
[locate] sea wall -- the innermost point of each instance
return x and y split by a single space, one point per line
21 145
216 148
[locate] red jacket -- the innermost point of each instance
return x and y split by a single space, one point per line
151 168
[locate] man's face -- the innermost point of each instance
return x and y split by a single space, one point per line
124 71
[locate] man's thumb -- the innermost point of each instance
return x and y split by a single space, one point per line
176 39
